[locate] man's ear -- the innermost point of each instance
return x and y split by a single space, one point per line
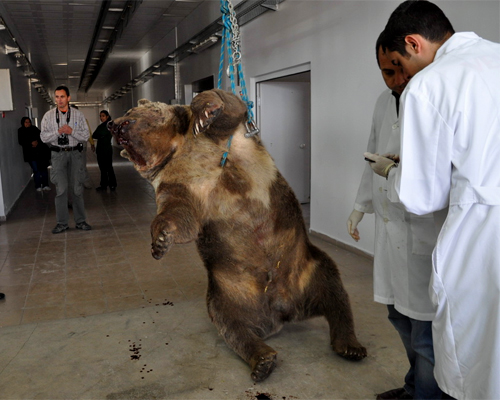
414 43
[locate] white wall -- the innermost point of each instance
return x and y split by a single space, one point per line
14 172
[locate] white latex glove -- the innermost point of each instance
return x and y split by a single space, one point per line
352 223
381 165
392 156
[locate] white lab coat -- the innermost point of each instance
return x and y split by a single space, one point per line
403 241
451 154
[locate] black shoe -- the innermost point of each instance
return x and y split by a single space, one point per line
394 394
83 226
112 188
2 296
100 189
60 228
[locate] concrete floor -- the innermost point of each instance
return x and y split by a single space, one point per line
91 315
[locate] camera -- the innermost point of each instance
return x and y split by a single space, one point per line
63 140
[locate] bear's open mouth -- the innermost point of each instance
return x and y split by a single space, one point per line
119 131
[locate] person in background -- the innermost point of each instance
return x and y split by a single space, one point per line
104 153
65 130
35 153
450 156
403 246
87 184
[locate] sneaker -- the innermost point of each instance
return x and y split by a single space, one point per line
46 188
83 226
39 189
60 228
100 189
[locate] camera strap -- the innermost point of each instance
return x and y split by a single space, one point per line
68 116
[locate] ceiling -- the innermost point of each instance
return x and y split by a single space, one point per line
83 43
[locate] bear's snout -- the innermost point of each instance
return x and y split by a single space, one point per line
119 130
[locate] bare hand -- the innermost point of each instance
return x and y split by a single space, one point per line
65 129
34 143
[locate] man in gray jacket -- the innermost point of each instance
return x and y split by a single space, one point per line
64 129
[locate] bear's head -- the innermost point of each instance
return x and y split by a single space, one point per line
151 133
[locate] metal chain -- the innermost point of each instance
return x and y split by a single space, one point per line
231 40
235 31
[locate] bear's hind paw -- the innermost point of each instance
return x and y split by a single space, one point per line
353 353
264 367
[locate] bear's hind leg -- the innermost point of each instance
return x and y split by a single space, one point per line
339 316
244 335
251 348
328 297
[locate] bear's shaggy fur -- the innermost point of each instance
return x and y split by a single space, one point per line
247 223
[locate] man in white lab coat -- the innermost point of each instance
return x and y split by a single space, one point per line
403 247
450 154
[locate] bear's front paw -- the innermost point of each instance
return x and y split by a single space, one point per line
162 237
161 244
205 116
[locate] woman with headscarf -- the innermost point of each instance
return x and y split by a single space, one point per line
104 151
35 153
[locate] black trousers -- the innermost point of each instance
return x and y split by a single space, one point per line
105 162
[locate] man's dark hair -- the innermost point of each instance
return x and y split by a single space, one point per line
62 87
415 17
379 44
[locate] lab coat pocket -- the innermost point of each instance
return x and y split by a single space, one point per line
423 234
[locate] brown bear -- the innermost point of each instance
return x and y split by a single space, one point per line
222 189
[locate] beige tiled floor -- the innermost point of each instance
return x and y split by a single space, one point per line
77 273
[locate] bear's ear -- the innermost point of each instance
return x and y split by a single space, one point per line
143 102
182 119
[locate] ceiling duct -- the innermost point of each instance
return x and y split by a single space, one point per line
202 46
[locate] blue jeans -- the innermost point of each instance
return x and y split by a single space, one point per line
40 173
417 340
